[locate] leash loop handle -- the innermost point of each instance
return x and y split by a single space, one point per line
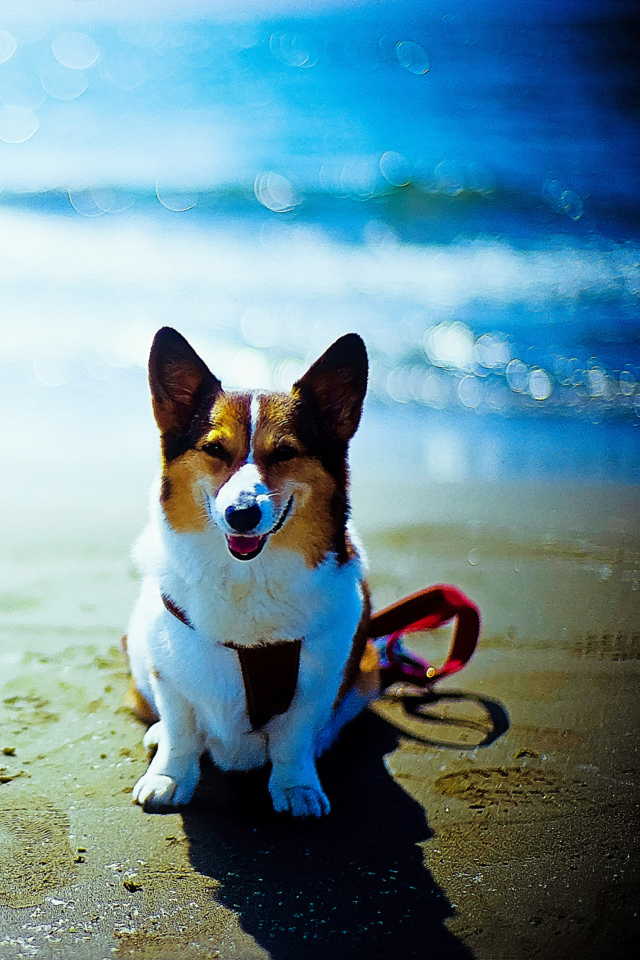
425 610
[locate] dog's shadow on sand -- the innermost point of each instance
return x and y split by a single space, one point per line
352 885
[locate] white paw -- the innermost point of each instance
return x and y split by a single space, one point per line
155 791
151 738
300 801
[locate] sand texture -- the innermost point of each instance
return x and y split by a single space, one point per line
498 819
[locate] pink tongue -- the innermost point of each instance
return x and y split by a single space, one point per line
244 544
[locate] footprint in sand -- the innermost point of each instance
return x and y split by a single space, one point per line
508 787
607 646
36 853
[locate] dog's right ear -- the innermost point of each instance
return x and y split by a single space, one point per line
337 382
179 381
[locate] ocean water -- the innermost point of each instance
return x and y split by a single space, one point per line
458 182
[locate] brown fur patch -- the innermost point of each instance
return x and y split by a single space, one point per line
368 680
185 508
165 489
277 424
133 699
185 479
310 529
139 704
230 424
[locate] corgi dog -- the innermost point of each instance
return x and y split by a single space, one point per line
248 640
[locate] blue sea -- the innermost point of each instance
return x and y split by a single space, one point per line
456 181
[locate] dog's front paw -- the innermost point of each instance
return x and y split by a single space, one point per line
300 801
157 791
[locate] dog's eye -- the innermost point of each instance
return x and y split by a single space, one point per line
216 450
283 453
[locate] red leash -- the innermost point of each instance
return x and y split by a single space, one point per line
425 610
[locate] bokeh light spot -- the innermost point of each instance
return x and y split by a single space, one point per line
479 178
141 34
8 46
61 83
275 192
627 383
571 204
122 71
53 371
294 49
395 169
540 385
110 200
450 345
287 373
20 86
447 459
251 370
398 385
85 204
17 124
470 392
492 351
178 201
562 199
598 382
449 176
377 233
412 57
259 327
360 178
436 389
517 376
77 51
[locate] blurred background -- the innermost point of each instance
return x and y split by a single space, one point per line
456 181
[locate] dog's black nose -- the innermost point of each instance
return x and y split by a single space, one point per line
243 519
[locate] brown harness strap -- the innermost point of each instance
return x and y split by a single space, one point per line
177 611
269 672
270 676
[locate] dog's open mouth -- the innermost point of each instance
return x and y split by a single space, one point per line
243 547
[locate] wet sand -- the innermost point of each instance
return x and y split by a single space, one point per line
496 820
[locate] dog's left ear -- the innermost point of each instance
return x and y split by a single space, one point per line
338 383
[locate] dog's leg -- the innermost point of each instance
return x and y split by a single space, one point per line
174 771
294 784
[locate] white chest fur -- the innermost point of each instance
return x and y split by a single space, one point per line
273 597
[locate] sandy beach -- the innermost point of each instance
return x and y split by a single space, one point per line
495 820
458 184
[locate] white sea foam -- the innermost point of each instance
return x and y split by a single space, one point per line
75 285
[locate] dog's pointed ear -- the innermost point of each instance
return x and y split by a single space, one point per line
179 380
337 382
